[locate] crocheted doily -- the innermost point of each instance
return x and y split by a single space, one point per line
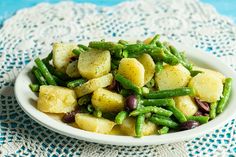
31 31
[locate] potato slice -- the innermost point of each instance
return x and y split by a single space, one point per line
128 127
107 101
149 66
186 105
133 70
94 63
62 54
172 77
209 71
93 85
90 123
208 87
55 99
72 69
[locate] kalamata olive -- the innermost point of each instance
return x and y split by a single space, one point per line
113 85
198 113
70 116
131 102
189 125
204 106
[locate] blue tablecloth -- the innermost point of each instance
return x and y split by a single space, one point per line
9 7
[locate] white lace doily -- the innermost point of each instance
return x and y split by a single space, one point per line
31 31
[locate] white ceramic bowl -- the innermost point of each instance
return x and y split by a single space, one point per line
27 101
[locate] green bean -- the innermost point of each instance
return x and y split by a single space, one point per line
59 81
158 67
125 92
123 42
39 76
152 109
174 51
157 102
48 58
127 84
163 130
154 39
139 125
77 51
75 83
161 117
85 48
177 113
159 44
195 72
58 74
170 93
84 100
102 45
34 87
97 113
145 90
115 62
43 69
164 122
121 116
150 84
213 107
109 115
113 66
226 93
90 108
200 119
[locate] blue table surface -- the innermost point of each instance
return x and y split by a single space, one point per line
9 7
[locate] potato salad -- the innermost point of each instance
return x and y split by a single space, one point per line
130 88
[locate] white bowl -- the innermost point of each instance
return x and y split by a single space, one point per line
27 100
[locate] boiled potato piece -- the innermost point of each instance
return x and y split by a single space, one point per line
208 87
107 101
128 127
94 63
62 54
55 99
209 71
133 70
93 85
90 123
186 105
149 66
172 77
72 69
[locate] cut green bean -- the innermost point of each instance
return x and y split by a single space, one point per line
145 90
164 122
213 107
226 93
127 84
123 42
163 130
59 81
152 109
102 45
90 108
84 100
157 102
174 51
43 69
34 87
58 74
121 116
151 83
139 125
76 83
85 48
77 51
170 93
195 72
97 113
161 117
200 119
125 92
158 67
178 114
154 39
48 58
39 76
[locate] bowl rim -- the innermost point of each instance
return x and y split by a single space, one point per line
23 97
